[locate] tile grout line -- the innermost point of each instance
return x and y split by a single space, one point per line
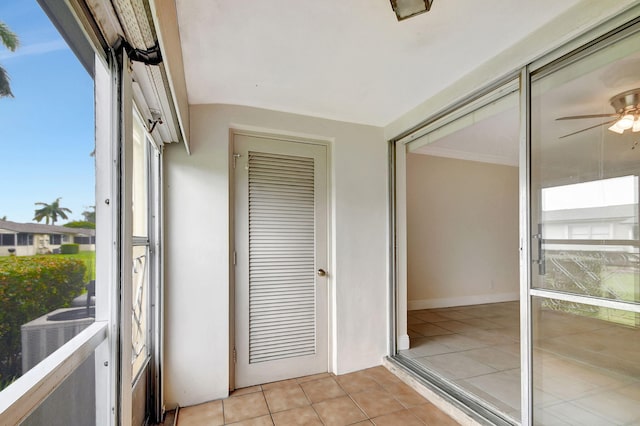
387 392
264 396
354 401
311 402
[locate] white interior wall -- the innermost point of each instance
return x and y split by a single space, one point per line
462 232
197 239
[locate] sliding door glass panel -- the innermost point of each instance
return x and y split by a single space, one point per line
586 364
462 206
584 175
585 249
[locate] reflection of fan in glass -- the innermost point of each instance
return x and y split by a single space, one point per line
627 115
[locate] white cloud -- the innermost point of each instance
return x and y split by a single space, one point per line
34 49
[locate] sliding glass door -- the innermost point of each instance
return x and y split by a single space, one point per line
584 237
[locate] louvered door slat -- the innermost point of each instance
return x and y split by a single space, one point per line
281 257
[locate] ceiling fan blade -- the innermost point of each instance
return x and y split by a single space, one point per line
577 117
588 128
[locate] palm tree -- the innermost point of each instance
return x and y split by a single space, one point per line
50 211
10 41
90 215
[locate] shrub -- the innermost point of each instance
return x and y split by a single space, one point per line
80 224
29 288
70 248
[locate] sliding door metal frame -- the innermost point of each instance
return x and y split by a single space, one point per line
498 89
593 41
526 399
393 288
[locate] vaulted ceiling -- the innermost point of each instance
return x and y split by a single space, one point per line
348 60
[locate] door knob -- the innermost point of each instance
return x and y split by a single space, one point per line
322 273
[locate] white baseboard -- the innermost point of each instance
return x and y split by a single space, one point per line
413 305
403 342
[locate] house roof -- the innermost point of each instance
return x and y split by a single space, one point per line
38 228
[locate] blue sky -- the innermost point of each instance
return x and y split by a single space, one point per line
47 130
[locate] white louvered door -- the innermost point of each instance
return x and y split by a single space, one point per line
281 243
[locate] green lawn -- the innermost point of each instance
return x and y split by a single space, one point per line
89 259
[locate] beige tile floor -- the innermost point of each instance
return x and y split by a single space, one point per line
372 396
586 371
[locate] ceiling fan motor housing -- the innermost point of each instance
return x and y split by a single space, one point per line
626 102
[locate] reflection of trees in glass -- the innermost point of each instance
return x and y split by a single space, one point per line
50 212
10 41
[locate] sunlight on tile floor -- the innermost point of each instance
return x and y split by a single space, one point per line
372 396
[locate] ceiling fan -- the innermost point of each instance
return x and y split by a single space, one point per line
627 115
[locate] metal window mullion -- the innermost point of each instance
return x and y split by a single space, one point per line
526 375
126 230
592 242
586 300
107 247
139 241
156 293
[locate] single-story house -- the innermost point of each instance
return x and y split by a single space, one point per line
28 239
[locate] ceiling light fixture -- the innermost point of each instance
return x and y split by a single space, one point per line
627 115
627 105
407 8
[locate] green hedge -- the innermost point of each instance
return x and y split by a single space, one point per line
70 248
29 288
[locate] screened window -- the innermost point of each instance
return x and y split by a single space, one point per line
7 239
25 239
84 240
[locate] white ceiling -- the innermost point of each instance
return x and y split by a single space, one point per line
583 88
348 60
495 139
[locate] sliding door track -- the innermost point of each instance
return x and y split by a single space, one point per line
451 393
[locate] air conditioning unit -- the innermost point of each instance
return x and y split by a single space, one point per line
74 402
42 336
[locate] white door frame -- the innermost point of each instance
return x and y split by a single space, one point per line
287 136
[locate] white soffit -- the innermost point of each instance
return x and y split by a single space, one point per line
344 60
